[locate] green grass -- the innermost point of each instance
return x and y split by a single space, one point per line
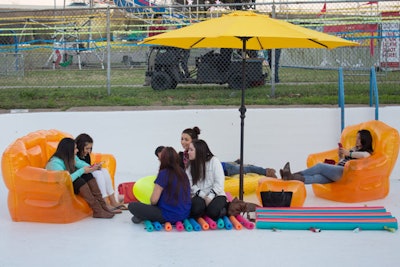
184 95
66 88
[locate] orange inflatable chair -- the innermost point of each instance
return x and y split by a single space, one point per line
36 194
363 179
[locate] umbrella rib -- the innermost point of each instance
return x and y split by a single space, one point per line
201 39
258 40
318 43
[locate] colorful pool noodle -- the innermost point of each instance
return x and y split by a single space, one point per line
220 223
236 224
179 226
246 223
195 224
168 226
188 226
157 226
227 222
211 222
204 225
148 226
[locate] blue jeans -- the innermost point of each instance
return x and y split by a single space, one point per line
322 173
231 168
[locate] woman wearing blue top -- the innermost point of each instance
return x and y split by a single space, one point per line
170 200
65 159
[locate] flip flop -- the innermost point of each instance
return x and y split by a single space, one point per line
121 207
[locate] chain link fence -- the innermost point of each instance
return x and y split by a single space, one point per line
98 47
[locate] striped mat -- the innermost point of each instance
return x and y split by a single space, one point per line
326 218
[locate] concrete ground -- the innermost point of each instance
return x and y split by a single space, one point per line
272 137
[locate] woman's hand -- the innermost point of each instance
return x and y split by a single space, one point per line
343 152
340 152
88 169
96 166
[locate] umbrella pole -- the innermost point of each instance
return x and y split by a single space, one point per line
242 110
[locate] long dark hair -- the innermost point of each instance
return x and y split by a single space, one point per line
366 141
66 152
169 161
81 141
192 132
198 165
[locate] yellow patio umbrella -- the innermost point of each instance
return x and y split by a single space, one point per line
246 30
257 32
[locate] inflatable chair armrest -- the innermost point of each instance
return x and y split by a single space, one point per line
109 163
319 157
364 169
371 163
33 177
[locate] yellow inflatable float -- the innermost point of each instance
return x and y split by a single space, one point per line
250 182
143 188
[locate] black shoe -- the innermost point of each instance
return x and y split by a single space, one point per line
136 220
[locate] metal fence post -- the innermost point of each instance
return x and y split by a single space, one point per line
108 52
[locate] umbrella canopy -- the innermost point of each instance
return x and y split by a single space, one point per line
262 32
246 30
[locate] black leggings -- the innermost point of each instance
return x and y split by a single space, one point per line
214 210
86 177
146 212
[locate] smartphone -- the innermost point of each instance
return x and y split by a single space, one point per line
98 163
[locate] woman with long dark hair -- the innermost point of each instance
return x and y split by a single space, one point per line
170 199
84 143
207 179
323 173
65 159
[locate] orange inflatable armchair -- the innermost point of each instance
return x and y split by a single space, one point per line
363 179
36 194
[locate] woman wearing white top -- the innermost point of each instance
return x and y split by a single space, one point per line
207 179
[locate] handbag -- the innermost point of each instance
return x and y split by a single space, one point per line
276 199
126 190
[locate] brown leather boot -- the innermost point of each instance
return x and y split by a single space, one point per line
285 172
98 211
270 173
299 177
236 206
251 207
94 187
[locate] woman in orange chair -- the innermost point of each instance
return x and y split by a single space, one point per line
65 159
84 143
323 173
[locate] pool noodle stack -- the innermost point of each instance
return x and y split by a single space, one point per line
202 223
329 218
